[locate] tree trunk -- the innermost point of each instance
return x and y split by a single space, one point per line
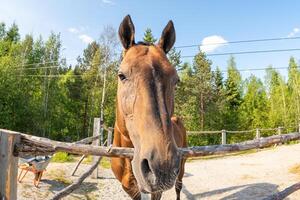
201 111
84 127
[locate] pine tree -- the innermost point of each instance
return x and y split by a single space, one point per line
293 85
277 98
233 95
255 108
217 104
202 85
12 33
148 36
175 58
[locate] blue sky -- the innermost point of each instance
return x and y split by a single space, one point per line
80 22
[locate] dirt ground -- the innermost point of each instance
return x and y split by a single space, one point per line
245 176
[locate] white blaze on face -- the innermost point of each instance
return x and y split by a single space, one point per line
211 43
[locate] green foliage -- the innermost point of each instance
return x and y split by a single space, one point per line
62 157
175 58
148 36
105 163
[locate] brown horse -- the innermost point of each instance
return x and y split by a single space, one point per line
144 116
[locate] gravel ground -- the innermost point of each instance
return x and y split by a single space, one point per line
245 176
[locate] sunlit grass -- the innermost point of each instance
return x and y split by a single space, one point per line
295 169
105 163
62 157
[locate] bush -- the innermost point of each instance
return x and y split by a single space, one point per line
62 157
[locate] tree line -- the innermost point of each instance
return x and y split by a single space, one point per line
43 94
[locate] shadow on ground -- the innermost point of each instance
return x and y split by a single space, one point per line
256 191
56 186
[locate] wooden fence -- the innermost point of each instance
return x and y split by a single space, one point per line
14 144
257 132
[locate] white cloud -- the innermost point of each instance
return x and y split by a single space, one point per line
73 30
294 32
79 32
108 2
85 38
211 43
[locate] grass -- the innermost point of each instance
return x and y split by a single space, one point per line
292 142
61 157
246 177
88 160
105 163
295 169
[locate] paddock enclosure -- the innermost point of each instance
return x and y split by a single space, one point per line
14 144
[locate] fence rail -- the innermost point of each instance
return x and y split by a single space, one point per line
257 132
32 145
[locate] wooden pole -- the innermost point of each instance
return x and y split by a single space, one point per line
32 145
257 133
68 190
285 193
96 131
8 165
223 137
299 128
280 130
109 137
77 165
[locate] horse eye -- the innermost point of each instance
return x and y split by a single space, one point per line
121 76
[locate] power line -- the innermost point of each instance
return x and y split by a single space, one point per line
189 56
258 69
187 46
194 45
91 75
43 63
55 75
49 67
239 41
246 52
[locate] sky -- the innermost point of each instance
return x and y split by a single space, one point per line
196 22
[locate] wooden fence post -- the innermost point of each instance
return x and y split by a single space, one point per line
223 137
280 130
257 133
109 137
8 165
96 131
101 132
299 128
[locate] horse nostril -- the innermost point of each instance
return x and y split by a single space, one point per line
145 167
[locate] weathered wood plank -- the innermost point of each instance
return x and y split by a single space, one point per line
96 131
8 165
109 138
223 137
88 140
77 165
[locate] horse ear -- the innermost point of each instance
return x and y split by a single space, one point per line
168 37
126 32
